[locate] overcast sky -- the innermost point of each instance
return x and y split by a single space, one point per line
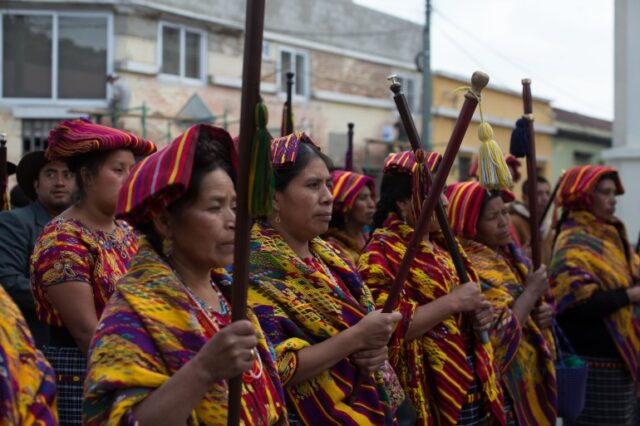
564 46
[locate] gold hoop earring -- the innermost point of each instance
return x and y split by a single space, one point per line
277 220
167 247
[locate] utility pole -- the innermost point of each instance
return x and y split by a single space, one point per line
426 79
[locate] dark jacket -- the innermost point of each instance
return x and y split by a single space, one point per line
19 232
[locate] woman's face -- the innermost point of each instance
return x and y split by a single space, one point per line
103 187
433 225
203 232
493 224
604 199
304 207
363 209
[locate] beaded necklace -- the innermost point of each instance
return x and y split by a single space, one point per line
208 318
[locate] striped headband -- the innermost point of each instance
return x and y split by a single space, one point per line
579 183
284 150
347 186
74 137
465 203
404 163
163 177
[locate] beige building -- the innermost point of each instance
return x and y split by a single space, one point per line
182 62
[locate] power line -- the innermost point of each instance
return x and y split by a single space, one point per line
514 64
345 34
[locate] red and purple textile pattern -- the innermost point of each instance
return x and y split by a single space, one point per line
465 202
284 150
433 369
69 251
74 137
161 178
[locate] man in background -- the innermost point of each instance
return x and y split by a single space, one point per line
51 187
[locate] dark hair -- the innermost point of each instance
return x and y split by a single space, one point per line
525 184
306 153
92 161
337 219
488 196
210 155
394 187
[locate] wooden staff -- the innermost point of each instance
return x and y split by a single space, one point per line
551 200
4 176
532 175
254 26
414 139
287 128
348 158
478 82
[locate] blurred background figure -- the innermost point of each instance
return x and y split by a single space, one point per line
49 188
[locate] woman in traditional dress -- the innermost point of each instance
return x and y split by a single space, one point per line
27 381
520 333
594 275
353 209
312 304
81 253
165 345
446 371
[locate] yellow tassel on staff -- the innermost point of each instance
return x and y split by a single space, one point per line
493 170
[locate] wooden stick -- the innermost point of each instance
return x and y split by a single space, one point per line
348 158
288 126
478 82
412 134
4 175
532 175
254 26
551 200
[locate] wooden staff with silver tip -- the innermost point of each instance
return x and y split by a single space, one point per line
479 81
412 134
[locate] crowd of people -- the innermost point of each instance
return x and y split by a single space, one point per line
116 283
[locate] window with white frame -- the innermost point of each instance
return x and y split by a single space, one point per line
295 61
54 55
410 91
182 51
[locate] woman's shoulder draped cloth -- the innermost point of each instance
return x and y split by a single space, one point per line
27 381
67 250
149 330
594 255
346 246
299 306
524 352
433 369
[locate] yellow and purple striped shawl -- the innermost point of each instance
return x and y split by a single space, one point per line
433 369
27 381
590 255
524 352
298 307
149 330
346 246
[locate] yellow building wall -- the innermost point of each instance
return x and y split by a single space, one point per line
501 109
